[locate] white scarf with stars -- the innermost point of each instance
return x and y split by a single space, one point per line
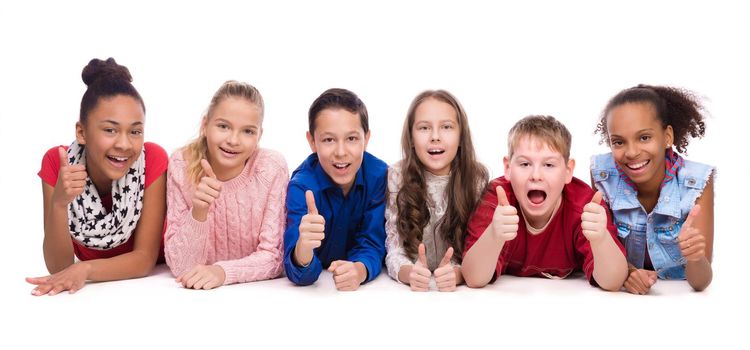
88 221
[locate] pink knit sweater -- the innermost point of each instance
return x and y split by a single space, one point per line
245 226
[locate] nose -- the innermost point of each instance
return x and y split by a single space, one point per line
435 135
123 141
631 151
339 150
233 138
536 173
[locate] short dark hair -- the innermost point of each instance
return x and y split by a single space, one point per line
105 79
338 98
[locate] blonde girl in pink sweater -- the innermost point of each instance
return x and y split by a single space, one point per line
225 197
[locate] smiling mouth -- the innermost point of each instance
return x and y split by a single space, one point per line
637 166
537 196
228 151
435 151
117 159
341 166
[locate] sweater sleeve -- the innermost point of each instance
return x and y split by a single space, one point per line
396 256
186 238
266 261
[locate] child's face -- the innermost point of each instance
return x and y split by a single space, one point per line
537 174
340 142
113 136
436 135
232 133
638 141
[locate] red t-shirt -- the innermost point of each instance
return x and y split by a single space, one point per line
557 251
156 165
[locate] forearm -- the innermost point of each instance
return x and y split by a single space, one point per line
134 264
57 244
480 261
610 265
699 274
258 266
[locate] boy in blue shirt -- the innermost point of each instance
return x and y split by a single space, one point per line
336 198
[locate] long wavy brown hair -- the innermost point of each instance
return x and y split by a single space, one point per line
468 178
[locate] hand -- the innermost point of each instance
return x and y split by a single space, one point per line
345 275
419 277
505 220
70 180
72 279
640 281
445 274
311 232
202 277
206 192
594 219
692 242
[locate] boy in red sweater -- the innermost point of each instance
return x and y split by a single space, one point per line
539 220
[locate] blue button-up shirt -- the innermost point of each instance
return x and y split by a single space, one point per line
354 224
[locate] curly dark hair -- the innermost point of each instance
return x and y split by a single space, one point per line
468 178
105 79
680 108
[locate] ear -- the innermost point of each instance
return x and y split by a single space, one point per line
669 136
569 170
204 125
506 166
80 135
367 138
311 142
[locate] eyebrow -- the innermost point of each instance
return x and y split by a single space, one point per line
637 132
117 123
244 126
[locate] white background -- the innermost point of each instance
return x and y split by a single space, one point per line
502 61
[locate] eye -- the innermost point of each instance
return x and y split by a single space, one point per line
422 128
222 126
110 130
524 164
645 138
352 138
327 139
616 143
250 131
448 126
137 132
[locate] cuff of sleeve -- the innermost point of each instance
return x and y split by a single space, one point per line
231 275
196 228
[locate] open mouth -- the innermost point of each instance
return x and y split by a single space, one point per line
638 165
537 196
117 159
341 166
435 151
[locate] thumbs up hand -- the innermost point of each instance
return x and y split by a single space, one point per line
311 232
206 192
445 275
70 180
505 220
692 242
419 277
594 219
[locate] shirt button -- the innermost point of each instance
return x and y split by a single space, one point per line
603 174
691 182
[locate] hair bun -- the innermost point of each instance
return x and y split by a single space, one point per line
104 70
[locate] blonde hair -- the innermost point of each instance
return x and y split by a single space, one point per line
544 128
198 148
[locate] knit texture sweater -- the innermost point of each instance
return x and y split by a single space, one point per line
245 226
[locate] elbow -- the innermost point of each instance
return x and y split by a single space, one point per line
700 286
611 287
474 282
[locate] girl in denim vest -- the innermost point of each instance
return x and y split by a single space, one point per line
662 204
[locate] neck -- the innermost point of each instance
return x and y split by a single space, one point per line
538 224
102 183
652 187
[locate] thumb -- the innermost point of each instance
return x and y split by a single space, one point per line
333 265
502 198
447 257
207 168
422 256
597 197
691 217
310 198
63 156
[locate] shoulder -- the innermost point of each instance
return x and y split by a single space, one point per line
304 175
695 174
577 194
271 164
51 159
394 177
373 165
154 153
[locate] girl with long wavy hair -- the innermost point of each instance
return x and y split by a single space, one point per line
432 192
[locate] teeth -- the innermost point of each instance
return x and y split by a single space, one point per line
227 151
119 159
637 166
341 165
435 151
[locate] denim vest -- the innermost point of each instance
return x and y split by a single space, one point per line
656 231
